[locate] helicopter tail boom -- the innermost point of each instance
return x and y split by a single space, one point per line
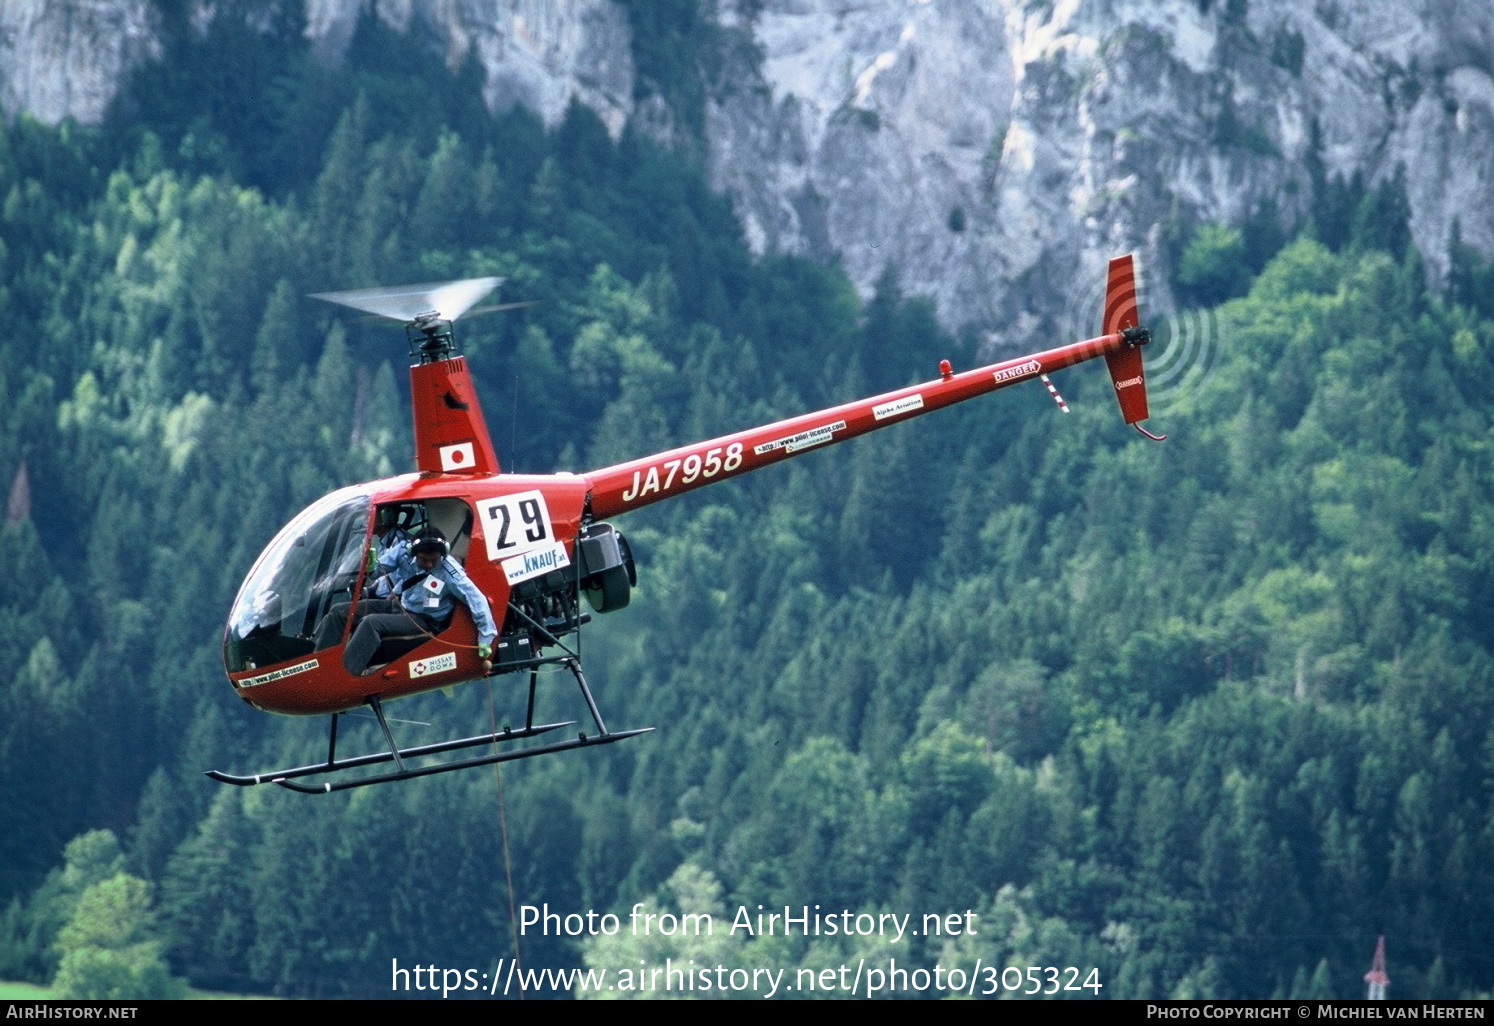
627 486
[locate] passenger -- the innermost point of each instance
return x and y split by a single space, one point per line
431 583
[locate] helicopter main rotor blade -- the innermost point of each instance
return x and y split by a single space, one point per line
442 300
475 311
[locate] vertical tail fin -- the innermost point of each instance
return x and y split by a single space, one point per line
451 436
1125 364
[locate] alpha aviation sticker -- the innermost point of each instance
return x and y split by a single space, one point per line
898 406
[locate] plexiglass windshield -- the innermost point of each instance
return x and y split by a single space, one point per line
312 563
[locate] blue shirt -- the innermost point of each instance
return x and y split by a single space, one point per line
435 592
391 551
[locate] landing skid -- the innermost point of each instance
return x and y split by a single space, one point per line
397 755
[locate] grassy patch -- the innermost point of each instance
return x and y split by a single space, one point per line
12 991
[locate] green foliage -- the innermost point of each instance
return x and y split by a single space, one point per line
691 928
672 40
1355 214
1231 131
107 953
1470 276
32 940
1213 266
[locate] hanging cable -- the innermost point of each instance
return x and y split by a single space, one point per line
508 867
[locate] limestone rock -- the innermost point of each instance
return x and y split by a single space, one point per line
66 58
996 153
538 53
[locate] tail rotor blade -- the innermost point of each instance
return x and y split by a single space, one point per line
1126 372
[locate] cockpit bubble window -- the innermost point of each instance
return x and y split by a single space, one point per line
313 562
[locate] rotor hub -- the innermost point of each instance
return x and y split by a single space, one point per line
430 338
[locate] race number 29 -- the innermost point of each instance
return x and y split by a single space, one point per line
515 523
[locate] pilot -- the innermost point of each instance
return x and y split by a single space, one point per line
388 551
431 583
385 557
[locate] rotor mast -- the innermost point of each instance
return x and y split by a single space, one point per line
451 436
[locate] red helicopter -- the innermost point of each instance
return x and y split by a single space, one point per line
532 544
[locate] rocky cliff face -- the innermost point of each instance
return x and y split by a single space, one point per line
66 59
992 153
538 53
995 153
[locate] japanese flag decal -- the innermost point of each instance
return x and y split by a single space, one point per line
457 457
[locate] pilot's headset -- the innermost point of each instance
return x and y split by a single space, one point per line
430 540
